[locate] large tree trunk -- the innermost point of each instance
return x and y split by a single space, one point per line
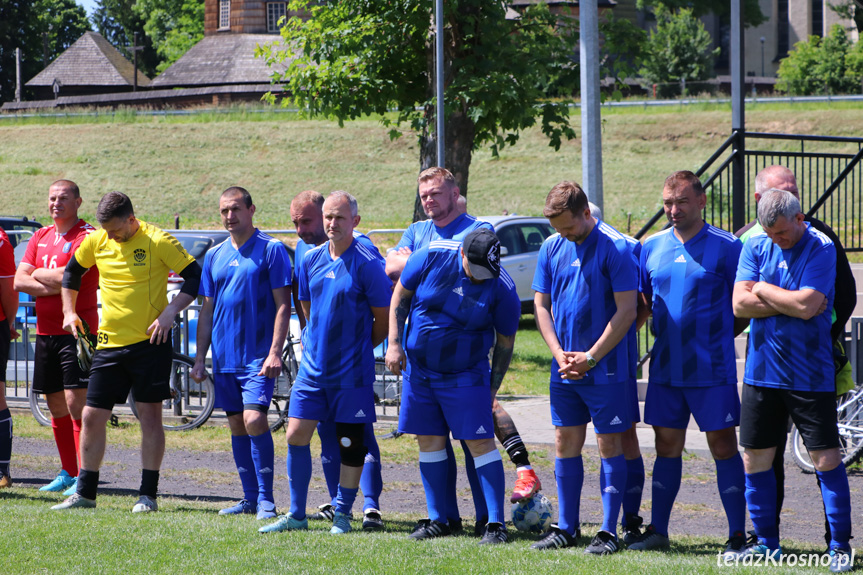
459 129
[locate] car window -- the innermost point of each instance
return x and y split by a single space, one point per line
511 239
534 235
524 238
197 246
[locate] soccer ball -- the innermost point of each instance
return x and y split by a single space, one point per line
533 514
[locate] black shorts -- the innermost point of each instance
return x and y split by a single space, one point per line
143 367
56 364
5 342
764 413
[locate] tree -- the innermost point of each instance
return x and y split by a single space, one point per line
354 58
118 22
173 26
828 65
678 49
752 14
41 28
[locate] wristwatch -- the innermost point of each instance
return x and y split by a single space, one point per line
591 363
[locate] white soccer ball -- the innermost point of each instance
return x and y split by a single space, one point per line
533 514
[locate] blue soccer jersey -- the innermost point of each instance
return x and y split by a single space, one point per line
452 319
241 283
302 247
632 335
690 286
337 341
787 352
420 234
582 280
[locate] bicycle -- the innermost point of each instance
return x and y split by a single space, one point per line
849 419
277 415
190 405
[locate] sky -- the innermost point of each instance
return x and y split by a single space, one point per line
88 5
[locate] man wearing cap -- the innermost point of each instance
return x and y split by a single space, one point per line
457 298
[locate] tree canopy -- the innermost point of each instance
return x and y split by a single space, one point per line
678 49
22 25
353 58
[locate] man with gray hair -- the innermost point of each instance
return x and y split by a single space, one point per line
785 285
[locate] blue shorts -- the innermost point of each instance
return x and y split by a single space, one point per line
235 391
715 407
352 405
577 404
437 410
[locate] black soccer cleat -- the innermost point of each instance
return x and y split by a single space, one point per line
495 533
556 538
604 543
428 529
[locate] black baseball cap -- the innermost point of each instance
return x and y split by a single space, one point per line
482 249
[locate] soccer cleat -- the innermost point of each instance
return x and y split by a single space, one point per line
604 543
341 524
60 483
556 538
758 548
72 488
145 504
428 529
650 539
5 481
455 525
243 507
266 510
372 520
495 533
479 527
75 501
631 528
526 485
735 546
286 523
325 512
840 560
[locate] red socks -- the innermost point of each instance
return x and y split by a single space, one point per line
67 444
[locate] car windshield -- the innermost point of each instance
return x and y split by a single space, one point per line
197 246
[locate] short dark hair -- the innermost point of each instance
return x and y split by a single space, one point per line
114 205
238 191
309 197
67 185
565 196
683 178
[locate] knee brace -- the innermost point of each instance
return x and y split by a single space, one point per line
351 445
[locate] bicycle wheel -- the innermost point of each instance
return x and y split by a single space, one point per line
387 386
278 412
850 420
799 452
191 403
39 408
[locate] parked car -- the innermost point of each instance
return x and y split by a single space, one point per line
520 240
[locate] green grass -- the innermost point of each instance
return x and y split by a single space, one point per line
188 536
179 165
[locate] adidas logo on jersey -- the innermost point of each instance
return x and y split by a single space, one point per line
234 264
680 259
267 470
480 430
615 421
576 263
458 290
783 265
728 418
331 274
360 413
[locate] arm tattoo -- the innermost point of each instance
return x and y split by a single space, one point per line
402 310
500 360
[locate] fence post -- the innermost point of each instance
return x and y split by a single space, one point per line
738 122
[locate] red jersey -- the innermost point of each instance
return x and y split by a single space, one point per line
48 249
7 262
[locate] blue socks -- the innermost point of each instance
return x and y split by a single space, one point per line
761 499
732 485
299 466
5 440
241 446
569 472
331 459
613 483
345 499
667 472
263 456
489 469
634 486
476 489
434 470
371 482
837 505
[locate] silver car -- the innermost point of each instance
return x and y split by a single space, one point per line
520 240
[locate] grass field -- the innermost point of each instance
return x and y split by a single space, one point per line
187 536
179 165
